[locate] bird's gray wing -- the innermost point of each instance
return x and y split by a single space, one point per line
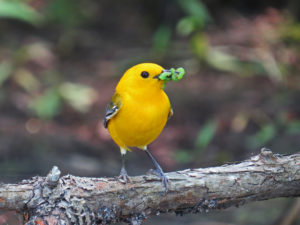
112 108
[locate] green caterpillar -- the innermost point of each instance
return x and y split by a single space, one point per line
172 74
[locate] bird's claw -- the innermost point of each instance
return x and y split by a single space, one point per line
123 177
165 182
162 176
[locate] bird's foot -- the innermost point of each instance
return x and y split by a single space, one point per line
162 176
123 177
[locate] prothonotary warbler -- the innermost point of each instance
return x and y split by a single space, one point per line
139 110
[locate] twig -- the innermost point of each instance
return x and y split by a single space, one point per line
80 200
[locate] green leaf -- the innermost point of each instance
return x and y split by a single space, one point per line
264 135
184 156
290 32
162 38
20 11
47 105
293 127
79 96
199 45
195 9
206 134
5 71
186 26
67 13
27 80
221 60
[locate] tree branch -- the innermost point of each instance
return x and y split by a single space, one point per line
80 200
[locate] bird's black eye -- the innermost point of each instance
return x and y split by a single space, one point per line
145 74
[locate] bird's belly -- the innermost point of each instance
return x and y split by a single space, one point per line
139 126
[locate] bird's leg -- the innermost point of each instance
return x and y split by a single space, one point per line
123 173
159 170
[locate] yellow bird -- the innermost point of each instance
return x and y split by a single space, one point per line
138 112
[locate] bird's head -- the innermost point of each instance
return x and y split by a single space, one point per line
142 77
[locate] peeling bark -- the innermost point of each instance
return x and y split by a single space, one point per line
79 200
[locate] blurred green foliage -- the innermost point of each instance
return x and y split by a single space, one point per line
206 134
67 13
79 96
161 39
256 74
46 91
47 105
32 68
184 156
219 57
290 32
5 71
293 127
263 136
20 10
204 137
45 99
197 17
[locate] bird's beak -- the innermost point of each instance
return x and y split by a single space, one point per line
163 75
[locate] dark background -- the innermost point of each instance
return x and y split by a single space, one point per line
60 61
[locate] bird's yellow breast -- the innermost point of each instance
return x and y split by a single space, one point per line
140 119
